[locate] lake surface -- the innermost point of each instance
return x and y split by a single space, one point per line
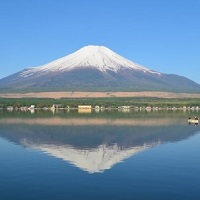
105 155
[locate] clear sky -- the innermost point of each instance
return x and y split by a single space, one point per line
163 35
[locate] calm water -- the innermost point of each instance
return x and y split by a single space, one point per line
108 155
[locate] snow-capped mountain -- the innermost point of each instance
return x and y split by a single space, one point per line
95 68
96 57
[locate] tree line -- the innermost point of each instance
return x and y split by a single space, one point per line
106 102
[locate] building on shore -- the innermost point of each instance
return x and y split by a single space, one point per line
84 108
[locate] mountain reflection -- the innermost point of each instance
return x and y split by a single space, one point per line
93 144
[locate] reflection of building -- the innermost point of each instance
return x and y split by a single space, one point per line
97 108
10 108
148 108
32 107
124 109
84 109
56 106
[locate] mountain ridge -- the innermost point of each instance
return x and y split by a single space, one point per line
95 68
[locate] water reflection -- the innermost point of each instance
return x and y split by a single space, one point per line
94 144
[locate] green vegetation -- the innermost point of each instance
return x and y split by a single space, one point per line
106 102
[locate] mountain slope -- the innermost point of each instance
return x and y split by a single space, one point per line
96 57
95 68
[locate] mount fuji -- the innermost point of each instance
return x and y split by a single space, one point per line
95 68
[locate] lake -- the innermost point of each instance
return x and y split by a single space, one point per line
106 155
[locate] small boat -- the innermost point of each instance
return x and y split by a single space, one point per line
194 120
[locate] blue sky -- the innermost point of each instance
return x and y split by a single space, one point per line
163 35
